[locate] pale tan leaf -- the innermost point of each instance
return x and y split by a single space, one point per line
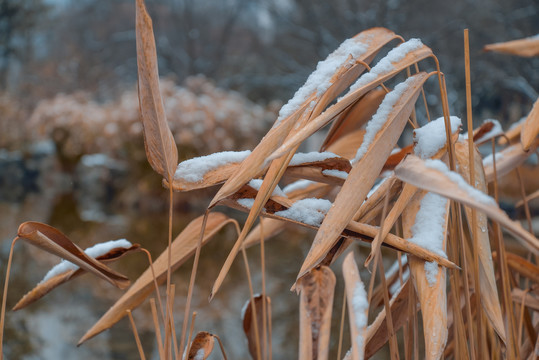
159 143
183 247
317 289
52 240
530 300
249 322
43 288
213 177
489 292
506 161
354 118
530 128
414 171
202 346
527 47
363 174
432 296
521 265
358 307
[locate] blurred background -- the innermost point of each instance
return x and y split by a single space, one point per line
71 148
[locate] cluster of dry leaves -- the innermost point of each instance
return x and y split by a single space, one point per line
476 303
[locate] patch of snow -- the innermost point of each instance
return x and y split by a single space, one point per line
320 80
396 150
430 138
246 202
257 183
395 267
297 185
380 118
459 180
431 272
396 286
360 306
302 158
495 131
308 211
335 173
193 170
199 355
94 251
385 65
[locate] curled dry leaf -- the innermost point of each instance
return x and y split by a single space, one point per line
53 241
530 128
358 306
414 171
43 288
202 346
487 277
159 143
363 174
317 289
183 247
488 130
249 322
432 294
527 47
522 266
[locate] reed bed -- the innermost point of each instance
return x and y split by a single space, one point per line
427 203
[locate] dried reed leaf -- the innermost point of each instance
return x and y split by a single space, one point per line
249 322
256 162
52 240
377 332
511 134
489 292
317 289
530 128
349 99
527 47
432 294
354 117
414 171
45 287
394 159
527 298
183 247
358 307
522 266
363 175
159 143
376 199
202 346
347 144
272 227
506 161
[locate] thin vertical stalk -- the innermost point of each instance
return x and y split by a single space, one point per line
169 253
264 306
192 281
135 333
155 284
471 160
4 297
191 330
341 327
253 307
170 307
157 329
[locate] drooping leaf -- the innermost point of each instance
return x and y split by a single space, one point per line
317 289
43 288
52 240
183 247
249 322
159 143
415 171
506 161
